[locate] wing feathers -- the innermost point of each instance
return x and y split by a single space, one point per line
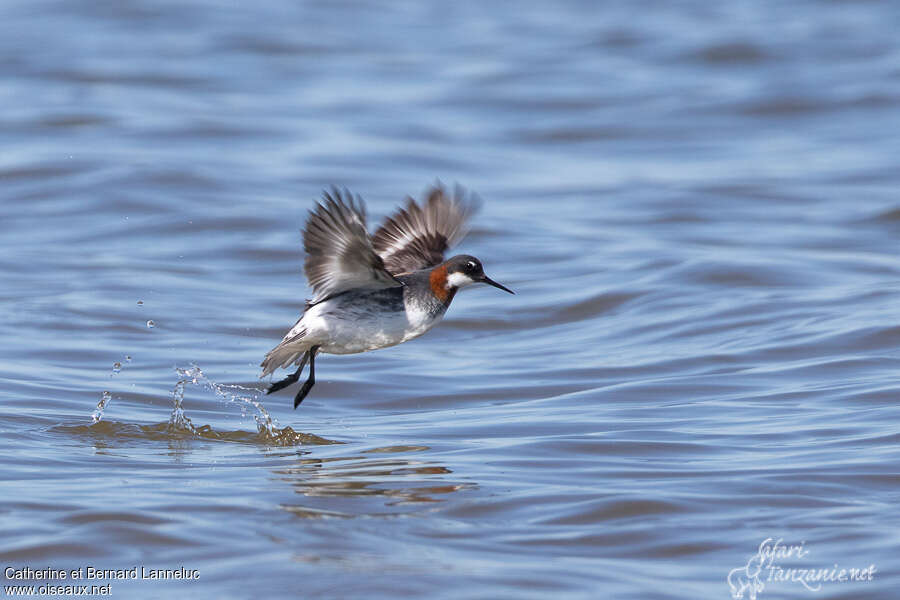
416 237
339 252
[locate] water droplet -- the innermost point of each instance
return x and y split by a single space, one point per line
97 416
140 302
117 366
127 359
151 324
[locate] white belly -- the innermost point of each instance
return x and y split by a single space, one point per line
360 331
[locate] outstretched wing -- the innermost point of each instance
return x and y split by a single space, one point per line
416 237
339 253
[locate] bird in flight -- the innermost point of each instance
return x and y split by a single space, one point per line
373 292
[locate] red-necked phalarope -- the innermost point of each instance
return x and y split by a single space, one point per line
375 291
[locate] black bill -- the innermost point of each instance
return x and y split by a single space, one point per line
490 281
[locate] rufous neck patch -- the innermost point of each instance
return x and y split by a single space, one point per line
438 281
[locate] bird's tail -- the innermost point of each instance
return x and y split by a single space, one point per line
288 352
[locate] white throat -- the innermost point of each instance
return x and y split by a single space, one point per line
458 280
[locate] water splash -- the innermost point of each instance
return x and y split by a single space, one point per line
244 396
179 421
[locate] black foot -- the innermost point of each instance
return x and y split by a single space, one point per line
290 379
307 385
280 385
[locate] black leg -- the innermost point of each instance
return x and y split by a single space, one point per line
290 379
307 385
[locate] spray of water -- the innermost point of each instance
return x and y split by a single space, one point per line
245 396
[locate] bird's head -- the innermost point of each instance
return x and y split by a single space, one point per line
463 270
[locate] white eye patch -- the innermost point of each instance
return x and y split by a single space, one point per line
458 280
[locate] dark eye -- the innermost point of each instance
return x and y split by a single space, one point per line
471 267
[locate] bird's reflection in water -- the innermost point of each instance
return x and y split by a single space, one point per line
368 484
